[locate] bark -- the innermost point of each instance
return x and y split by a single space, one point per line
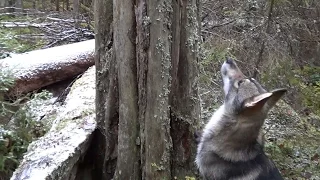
106 136
185 107
57 5
158 106
43 5
158 142
19 6
48 66
67 5
76 8
128 166
142 45
58 155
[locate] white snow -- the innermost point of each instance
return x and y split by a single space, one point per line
27 63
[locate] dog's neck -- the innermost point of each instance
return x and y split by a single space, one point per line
233 140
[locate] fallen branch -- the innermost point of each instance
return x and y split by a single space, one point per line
22 24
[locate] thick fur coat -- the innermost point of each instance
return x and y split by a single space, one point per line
231 144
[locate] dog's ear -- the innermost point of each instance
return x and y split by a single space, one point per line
276 95
256 101
262 102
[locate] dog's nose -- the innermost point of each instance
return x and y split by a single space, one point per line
229 61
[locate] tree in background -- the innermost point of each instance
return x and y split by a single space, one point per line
147 95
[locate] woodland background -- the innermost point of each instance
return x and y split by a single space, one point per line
275 41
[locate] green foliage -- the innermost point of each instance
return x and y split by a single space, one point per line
303 84
190 178
16 136
12 148
17 45
6 81
11 43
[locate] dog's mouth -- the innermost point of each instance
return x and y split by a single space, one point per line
230 69
230 74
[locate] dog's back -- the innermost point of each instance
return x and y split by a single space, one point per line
231 145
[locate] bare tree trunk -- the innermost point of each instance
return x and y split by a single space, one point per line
260 55
142 45
128 166
156 109
185 107
158 142
57 5
106 137
19 6
43 5
76 5
67 5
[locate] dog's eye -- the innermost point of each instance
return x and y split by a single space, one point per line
237 83
240 82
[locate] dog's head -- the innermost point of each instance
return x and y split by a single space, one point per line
245 96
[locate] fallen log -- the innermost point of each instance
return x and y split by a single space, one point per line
57 155
40 68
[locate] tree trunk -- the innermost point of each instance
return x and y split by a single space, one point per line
128 166
106 136
67 5
158 143
43 5
185 107
57 5
19 6
151 98
76 8
263 38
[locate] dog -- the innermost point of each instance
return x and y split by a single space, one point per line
230 146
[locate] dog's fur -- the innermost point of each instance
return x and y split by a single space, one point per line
231 144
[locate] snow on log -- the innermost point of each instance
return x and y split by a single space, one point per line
55 156
40 68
